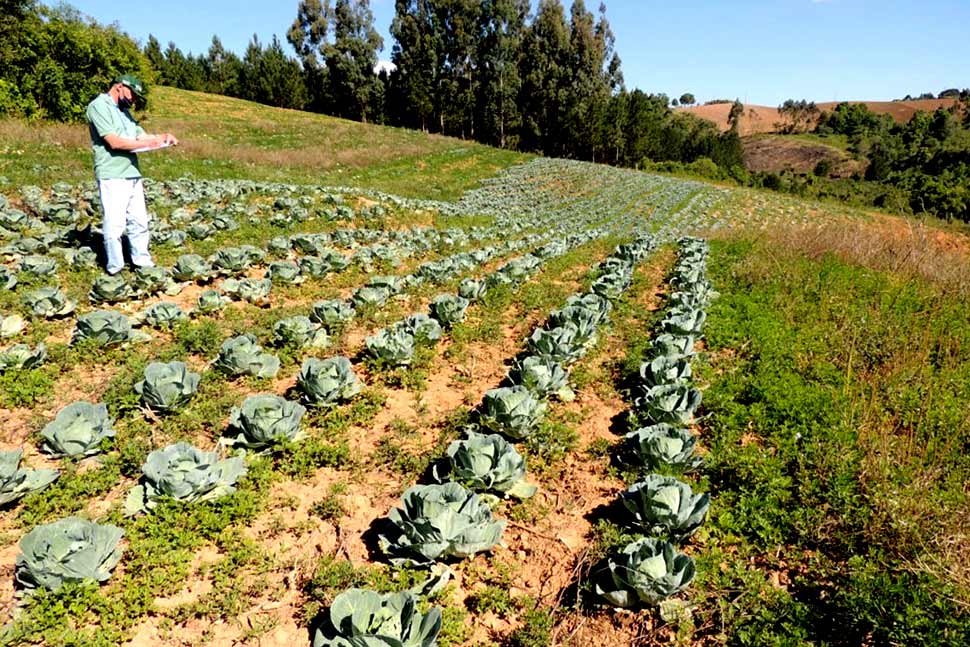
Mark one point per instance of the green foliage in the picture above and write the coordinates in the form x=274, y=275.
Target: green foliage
x=54, y=61
x=536, y=629
x=68, y=550
x=25, y=387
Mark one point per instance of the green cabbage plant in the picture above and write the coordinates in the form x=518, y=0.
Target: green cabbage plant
x=161, y=315
x=436, y=522
x=472, y=289
x=511, y=411
x=361, y=618
x=543, y=376
x=664, y=369
x=191, y=267
x=563, y=344
x=329, y=381
x=391, y=346
x=67, y=550
x=104, y=327
x=449, y=309
x=22, y=357
x=300, y=332
x=672, y=346
x=662, y=445
x=263, y=421
x=285, y=273
x=592, y=302
x=486, y=463
x=167, y=386
x=37, y=265
x=16, y=481
x=146, y=281
x=424, y=329
x=255, y=291
x=12, y=325
x=49, y=303
x=243, y=356
x=333, y=313
x=210, y=301
x=78, y=430
x=109, y=288
x=647, y=571
x=184, y=473
x=684, y=321
x=665, y=506
x=671, y=403
x=230, y=261
x=367, y=298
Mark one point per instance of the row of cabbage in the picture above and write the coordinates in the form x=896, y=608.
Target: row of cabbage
x=452, y=518
x=661, y=506
x=182, y=471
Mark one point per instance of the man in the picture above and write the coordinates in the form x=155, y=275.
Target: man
x=115, y=135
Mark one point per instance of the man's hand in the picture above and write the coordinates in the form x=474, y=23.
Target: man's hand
x=168, y=139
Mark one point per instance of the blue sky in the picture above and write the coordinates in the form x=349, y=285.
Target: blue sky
x=759, y=51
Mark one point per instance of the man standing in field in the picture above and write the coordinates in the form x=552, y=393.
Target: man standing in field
x=115, y=136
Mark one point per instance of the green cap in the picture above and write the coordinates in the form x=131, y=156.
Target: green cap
x=132, y=83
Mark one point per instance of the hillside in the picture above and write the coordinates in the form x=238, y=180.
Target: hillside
x=523, y=402
x=762, y=119
x=222, y=137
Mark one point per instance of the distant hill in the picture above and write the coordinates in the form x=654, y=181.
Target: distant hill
x=761, y=119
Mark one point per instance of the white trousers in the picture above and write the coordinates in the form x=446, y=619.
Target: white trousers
x=123, y=202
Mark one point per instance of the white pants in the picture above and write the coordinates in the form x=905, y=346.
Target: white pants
x=123, y=202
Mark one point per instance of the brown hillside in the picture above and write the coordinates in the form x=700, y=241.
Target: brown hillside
x=761, y=119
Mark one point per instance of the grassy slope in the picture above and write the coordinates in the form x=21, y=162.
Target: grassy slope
x=229, y=138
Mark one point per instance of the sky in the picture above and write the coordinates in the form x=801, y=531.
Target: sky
x=761, y=52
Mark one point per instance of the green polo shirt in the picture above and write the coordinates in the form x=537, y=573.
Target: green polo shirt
x=106, y=118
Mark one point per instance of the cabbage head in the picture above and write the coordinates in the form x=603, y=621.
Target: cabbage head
x=449, y=309
x=67, y=550
x=436, y=522
x=243, y=356
x=361, y=618
x=563, y=344
x=22, y=357
x=254, y=291
x=12, y=325
x=684, y=321
x=674, y=404
x=664, y=369
x=665, y=506
x=543, y=376
x=161, y=315
x=672, y=346
x=486, y=463
x=426, y=331
x=37, y=265
x=647, y=571
x=511, y=411
x=328, y=382
x=16, y=481
x=472, y=289
x=49, y=303
x=333, y=313
x=367, y=298
x=391, y=346
x=210, y=301
x=612, y=286
x=184, y=473
x=263, y=421
x=167, y=386
x=592, y=302
x=300, y=332
x=662, y=445
x=191, y=267
x=230, y=261
x=109, y=288
x=152, y=280
x=284, y=273
x=105, y=327
x=78, y=430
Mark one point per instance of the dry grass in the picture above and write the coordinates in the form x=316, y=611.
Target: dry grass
x=904, y=247
x=22, y=133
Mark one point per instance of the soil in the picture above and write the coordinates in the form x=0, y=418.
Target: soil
x=776, y=154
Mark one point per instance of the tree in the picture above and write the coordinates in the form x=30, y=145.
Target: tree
x=223, y=70
x=351, y=59
x=735, y=115
x=416, y=55
x=270, y=77
x=307, y=35
x=502, y=32
x=545, y=78
x=687, y=99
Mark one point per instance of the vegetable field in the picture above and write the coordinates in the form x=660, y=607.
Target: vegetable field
x=335, y=416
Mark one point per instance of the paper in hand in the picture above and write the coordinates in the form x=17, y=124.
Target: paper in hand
x=145, y=149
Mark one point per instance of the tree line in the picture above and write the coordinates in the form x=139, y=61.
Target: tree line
x=492, y=71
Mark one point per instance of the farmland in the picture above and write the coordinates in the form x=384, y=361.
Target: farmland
x=465, y=381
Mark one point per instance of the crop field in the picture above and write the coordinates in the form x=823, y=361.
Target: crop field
x=552, y=404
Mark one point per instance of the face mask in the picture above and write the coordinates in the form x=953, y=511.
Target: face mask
x=124, y=103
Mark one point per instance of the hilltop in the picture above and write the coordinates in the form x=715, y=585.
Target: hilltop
x=762, y=119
